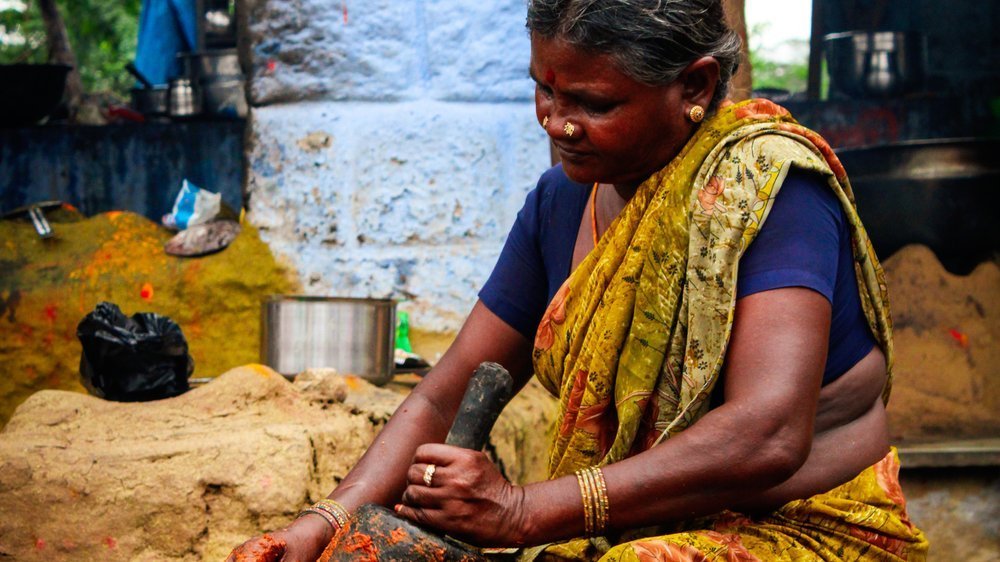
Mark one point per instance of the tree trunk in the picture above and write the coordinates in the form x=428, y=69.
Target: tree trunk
x=61, y=52
x=742, y=85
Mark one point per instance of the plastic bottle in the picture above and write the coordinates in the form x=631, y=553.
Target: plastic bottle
x=403, y=333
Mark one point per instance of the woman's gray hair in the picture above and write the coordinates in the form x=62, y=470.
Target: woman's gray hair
x=651, y=41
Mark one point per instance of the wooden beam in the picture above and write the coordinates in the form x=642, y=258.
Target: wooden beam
x=741, y=86
x=61, y=52
x=815, y=51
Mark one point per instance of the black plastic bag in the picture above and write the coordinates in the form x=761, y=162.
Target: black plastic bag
x=135, y=359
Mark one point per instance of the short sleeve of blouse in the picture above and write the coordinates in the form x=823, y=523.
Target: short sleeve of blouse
x=517, y=287
x=799, y=244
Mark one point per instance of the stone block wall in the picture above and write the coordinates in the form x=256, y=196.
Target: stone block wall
x=391, y=144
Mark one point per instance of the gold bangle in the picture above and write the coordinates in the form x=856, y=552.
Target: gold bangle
x=334, y=508
x=602, y=490
x=333, y=512
x=588, y=525
x=594, y=495
x=595, y=500
x=326, y=517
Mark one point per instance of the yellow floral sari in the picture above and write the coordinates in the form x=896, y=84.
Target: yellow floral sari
x=634, y=341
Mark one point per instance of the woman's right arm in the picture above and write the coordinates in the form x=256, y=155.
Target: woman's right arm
x=427, y=413
x=425, y=416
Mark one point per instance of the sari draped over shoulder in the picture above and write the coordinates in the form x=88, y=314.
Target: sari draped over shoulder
x=633, y=343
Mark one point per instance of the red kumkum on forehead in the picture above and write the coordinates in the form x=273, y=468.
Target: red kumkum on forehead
x=550, y=77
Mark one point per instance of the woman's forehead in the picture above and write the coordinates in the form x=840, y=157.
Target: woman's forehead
x=551, y=57
x=564, y=66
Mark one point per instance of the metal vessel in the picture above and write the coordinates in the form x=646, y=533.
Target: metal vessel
x=224, y=98
x=352, y=335
x=184, y=99
x=940, y=193
x=211, y=64
x=875, y=63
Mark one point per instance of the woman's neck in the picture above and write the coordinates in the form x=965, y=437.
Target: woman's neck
x=626, y=191
x=610, y=200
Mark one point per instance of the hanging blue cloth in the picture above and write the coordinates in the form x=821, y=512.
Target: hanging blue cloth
x=166, y=27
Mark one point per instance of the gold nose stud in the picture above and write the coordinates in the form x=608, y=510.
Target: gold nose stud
x=569, y=129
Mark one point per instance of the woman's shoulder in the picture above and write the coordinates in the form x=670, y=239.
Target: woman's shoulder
x=554, y=186
x=555, y=179
x=805, y=190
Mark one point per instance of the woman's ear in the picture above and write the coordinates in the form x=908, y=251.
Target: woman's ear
x=699, y=81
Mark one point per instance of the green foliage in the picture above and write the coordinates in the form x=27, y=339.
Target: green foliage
x=103, y=34
x=770, y=73
x=22, y=35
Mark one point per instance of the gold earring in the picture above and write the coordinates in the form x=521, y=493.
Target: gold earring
x=545, y=122
x=569, y=129
x=696, y=114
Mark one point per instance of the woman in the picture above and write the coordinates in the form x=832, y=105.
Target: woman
x=705, y=408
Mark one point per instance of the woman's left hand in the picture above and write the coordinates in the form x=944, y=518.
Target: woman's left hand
x=467, y=498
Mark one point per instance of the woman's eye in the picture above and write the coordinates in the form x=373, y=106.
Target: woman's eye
x=597, y=108
x=545, y=90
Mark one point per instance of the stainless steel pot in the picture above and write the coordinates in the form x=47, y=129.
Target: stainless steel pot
x=875, y=63
x=153, y=102
x=184, y=99
x=211, y=65
x=224, y=98
x=353, y=336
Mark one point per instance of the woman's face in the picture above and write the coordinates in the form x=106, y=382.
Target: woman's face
x=624, y=130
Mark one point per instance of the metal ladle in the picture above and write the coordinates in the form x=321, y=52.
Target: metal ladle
x=130, y=67
x=36, y=212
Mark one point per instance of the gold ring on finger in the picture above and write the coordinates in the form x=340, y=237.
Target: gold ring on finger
x=429, y=474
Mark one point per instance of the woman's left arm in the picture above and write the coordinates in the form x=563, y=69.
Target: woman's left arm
x=757, y=439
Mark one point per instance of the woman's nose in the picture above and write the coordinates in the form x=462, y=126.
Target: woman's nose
x=559, y=127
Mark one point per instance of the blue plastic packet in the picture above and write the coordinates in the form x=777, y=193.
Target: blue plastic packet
x=193, y=206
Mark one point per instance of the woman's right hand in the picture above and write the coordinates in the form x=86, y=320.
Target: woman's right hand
x=302, y=541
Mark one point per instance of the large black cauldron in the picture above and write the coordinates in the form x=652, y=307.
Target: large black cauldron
x=30, y=92
x=942, y=193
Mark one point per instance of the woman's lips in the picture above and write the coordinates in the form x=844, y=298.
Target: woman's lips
x=572, y=153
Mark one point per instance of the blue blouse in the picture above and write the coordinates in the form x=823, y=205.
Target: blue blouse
x=805, y=242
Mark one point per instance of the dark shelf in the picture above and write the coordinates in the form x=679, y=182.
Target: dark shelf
x=133, y=167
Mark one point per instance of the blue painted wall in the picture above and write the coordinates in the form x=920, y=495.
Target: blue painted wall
x=391, y=144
